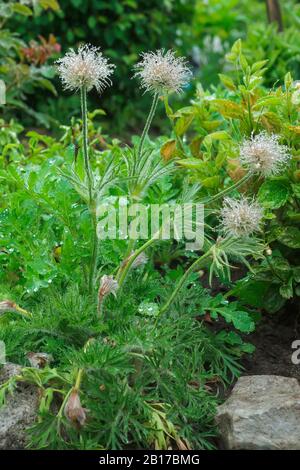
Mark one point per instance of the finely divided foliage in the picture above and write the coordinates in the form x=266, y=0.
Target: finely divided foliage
x=125, y=345
x=263, y=154
x=162, y=72
x=86, y=68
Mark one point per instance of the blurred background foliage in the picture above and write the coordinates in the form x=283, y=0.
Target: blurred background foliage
x=202, y=30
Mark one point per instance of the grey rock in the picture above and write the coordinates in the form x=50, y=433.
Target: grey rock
x=262, y=412
x=19, y=412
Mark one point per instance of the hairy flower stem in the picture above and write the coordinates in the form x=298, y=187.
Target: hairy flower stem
x=200, y=262
x=228, y=190
x=78, y=380
x=90, y=184
x=148, y=123
x=87, y=166
x=75, y=388
x=123, y=273
x=129, y=250
x=23, y=312
x=197, y=264
x=95, y=246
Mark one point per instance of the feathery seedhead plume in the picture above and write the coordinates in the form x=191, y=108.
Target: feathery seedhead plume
x=85, y=68
x=241, y=217
x=108, y=285
x=263, y=154
x=162, y=72
x=74, y=412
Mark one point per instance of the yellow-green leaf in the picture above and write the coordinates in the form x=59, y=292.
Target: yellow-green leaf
x=168, y=150
x=228, y=108
x=21, y=9
x=218, y=135
x=211, y=182
x=183, y=124
x=227, y=81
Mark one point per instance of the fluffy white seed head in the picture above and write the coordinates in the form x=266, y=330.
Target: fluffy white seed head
x=241, y=217
x=162, y=72
x=85, y=68
x=263, y=154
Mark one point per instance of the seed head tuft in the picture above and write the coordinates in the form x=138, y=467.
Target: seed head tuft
x=241, y=217
x=162, y=72
x=263, y=154
x=85, y=68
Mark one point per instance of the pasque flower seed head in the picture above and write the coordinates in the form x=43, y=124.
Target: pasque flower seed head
x=241, y=217
x=85, y=68
x=263, y=154
x=162, y=72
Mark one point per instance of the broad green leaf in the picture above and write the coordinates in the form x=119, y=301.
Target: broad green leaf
x=21, y=9
x=251, y=292
x=286, y=290
x=273, y=301
x=183, y=124
x=218, y=135
x=267, y=101
x=241, y=320
x=44, y=83
x=228, y=109
x=192, y=163
x=289, y=236
x=52, y=4
x=211, y=182
x=237, y=47
x=274, y=193
x=259, y=65
x=227, y=81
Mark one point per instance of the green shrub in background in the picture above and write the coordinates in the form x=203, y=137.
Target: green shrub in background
x=213, y=128
x=24, y=66
x=203, y=31
x=123, y=29
x=219, y=23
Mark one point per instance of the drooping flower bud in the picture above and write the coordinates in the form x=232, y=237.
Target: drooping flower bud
x=10, y=306
x=74, y=412
x=108, y=285
x=7, y=306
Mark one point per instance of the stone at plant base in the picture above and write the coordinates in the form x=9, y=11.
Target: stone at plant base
x=262, y=412
x=19, y=413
